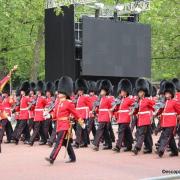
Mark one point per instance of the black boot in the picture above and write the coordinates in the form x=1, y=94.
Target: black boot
x=135, y=150
x=95, y=148
x=172, y=154
x=51, y=161
x=107, y=147
x=147, y=151
x=116, y=149
x=71, y=161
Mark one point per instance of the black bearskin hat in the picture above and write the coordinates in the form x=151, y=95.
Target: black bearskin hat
x=25, y=86
x=169, y=87
x=65, y=86
x=176, y=83
x=32, y=86
x=81, y=84
x=6, y=89
x=150, y=89
x=161, y=86
x=105, y=85
x=142, y=85
x=50, y=87
x=40, y=86
x=56, y=83
x=154, y=91
x=125, y=85
x=92, y=86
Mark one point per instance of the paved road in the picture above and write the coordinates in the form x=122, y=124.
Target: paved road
x=22, y=162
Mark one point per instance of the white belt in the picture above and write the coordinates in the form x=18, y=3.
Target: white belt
x=168, y=114
x=23, y=109
x=80, y=108
x=145, y=112
x=123, y=111
x=7, y=108
x=39, y=109
x=104, y=110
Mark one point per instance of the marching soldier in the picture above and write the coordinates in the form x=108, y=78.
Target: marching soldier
x=40, y=104
x=177, y=97
x=23, y=114
x=53, y=134
x=32, y=98
x=122, y=106
x=7, y=102
x=104, y=116
x=83, y=105
x=50, y=100
x=62, y=113
x=168, y=121
x=144, y=115
x=93, y=98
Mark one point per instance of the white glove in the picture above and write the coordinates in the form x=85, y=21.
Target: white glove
x=46, y=115
x=83, y=126
x=9, y=118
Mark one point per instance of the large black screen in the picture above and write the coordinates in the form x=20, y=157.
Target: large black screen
x=118, y=49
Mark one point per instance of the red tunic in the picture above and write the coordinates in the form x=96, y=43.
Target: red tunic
x=177, y=97
x=24, y=111
x=123, y=110
x=6, y=104
x=169, y=113
x=83, y=106
x=104, y=113
x=62, y=113
x=31, y=111
x=145, y=111
x=39, y=108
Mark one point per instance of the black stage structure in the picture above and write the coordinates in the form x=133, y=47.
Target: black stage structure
x=95, y=48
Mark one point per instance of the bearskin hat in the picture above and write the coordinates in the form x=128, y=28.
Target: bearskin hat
x=32, y=86
x=81, y=84
x=125, y=85
x=150, y=89
x=6, y=88
x=169, y=87
x=50, y=87
x=105, y=85
x=65, y=86
x=161, y=86
x=154, y=91
x=40, y=86
x=92, y=86
x=25, y=86
x=142, y=85
x=56, y=83
x=176, y=83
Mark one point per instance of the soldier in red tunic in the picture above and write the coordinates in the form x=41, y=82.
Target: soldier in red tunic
x=122, y=107
x=144, y=115
x=168, y=121
x=83, y=105
x=104, y=116
x=7, y=102
x=177, y=97
x=32, y=98
x=23, y=113
x=62, y=113
x=50, y=100
x=93, y=98
x=39, y=106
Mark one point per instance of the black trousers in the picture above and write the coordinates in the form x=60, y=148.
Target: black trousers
x=102, y=131
x=144, y=136
x=91, y=126
x=124, y=135
x=111, y=132
x=5, y=126
x=167, y=138
x=22, y=128
x=178, y=133
x=61, y=141
x=44, y=130
x=38, y=129
x=82, y=136
x=31, y=124
x=133, y=123
x=53, y=134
